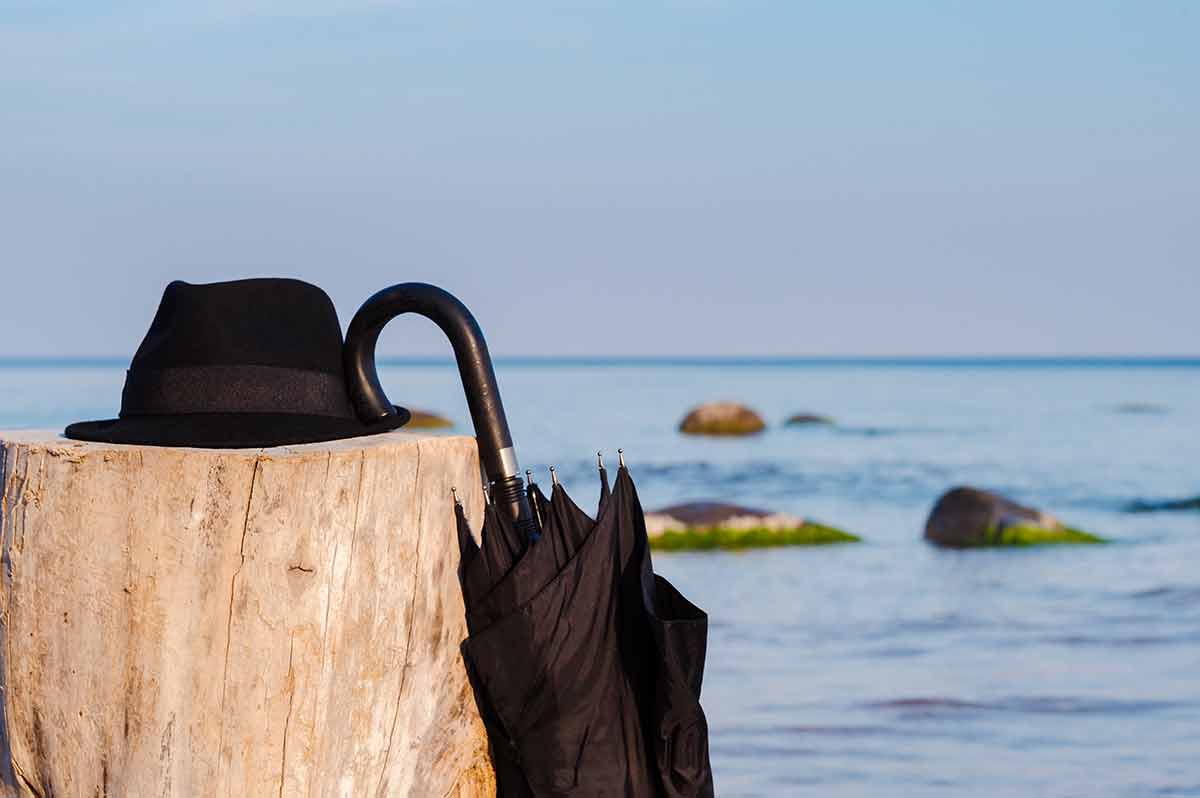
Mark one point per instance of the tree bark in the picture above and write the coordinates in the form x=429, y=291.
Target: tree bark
x=255, y=622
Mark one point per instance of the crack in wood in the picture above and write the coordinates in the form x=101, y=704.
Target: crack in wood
x=287, y=721
x=232, y=597
x=7, y=777
x=387, y=754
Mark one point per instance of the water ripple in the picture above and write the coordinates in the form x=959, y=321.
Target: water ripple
x=928, y=706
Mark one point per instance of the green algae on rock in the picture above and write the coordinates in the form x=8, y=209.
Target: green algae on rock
x=706, y=525
x=966, y=517
x=1033, y=535
x=707, y=538
x=722, y=419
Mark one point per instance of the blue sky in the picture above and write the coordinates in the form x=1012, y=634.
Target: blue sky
x=631, y=178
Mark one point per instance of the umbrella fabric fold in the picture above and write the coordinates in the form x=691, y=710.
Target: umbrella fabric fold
x=565, y=527
x=473, y=572
x=482, y=566
x=681, y=730
x=587, y=666
x=657, y=618
x=538, y=503
x=605, y=490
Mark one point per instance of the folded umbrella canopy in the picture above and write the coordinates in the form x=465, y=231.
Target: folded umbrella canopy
x=586, y=665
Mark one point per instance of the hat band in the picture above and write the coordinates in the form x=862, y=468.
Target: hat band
x=233, y=389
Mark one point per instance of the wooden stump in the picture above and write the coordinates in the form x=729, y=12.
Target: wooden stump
x=255, y=622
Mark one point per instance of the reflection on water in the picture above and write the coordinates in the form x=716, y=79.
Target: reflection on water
x=890, y=668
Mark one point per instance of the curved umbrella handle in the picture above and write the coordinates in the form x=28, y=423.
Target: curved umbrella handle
x=474, y=366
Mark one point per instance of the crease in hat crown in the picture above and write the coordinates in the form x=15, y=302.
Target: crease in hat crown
x=242, y=363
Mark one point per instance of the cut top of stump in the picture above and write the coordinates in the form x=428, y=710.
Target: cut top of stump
x=54, y=443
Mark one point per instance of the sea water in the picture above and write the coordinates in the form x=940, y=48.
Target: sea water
x=889, y=667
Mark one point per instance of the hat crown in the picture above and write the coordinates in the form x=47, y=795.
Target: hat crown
x=249, y=346
x=276, y=322
x=244, y=363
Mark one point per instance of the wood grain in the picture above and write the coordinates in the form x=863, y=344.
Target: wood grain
x=271, y=622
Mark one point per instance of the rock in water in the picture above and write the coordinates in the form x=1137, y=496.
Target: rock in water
x=966, y=517
x=424, y=419
x=1140, y=408
x=717, y=525
x=722, y=418
x=1144, y=506
x=803, y=419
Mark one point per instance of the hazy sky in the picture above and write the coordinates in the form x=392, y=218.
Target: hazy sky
x=635, y=178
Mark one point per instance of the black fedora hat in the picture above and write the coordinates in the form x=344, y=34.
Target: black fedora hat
x=246, y=363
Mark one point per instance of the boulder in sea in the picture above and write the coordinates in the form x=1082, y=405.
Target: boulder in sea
x=1140, y=408
x=967, y=517
x=806, y=419
x=425, y=419
x=1144, y=506
x=717, y=525
x=721, y=418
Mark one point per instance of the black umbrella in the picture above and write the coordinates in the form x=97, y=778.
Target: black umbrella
x=586, y=665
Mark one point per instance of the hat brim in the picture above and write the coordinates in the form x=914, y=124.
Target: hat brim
x=230, y=430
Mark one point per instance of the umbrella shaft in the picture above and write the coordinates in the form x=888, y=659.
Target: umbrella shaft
x=509, y=495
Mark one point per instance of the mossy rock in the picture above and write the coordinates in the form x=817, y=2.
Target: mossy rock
x=424, y=419
x=722, y=419
x=706, y=525
x=966, y=517
x=709, y=538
